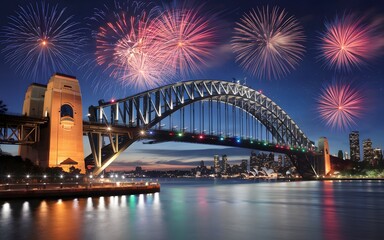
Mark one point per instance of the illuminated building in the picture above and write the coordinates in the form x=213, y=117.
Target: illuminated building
x=280, y=160
x=244, y=165
x=367, y=151
x=216, y=165
x=354, y=145
x=377, y=156
x=224, y=163
x=346, y=156
x=253, y=160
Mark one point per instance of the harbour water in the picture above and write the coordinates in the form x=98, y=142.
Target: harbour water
x=208, y=209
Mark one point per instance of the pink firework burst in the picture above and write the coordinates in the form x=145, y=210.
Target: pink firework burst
x=267, y=43
x=124, y=44
x=185, y=38
x=340, y=105
x=347, y=42
x=143, y=71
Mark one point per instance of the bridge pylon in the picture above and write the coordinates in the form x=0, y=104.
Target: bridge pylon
x=61, y=140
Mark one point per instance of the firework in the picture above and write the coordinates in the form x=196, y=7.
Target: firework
x=267, y=43
x=124, y=46
x=347, y=42
x=143, y=72
x=185, y=38
x=40, y=40
x=340, y=105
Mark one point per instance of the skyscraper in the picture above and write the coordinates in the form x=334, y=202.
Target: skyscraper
x=340, y=154
x=367, y=151
x=216, y=165
x=224, y=163
x=377, y=156
x=354, y=146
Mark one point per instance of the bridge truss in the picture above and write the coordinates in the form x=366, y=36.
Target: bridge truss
x=16, y=129
x=211, y=107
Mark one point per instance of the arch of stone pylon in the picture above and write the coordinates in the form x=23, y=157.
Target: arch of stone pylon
x=122, y=120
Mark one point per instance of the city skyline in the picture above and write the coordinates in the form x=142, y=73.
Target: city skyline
x=296, y=92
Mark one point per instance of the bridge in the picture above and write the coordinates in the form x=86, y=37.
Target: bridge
x=202, y=111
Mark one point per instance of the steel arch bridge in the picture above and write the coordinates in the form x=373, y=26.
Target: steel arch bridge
x=216, y=108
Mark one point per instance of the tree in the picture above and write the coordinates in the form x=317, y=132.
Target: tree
x=3, y=107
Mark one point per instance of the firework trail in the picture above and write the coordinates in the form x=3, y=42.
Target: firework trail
x=40, y=40
x=347, y=43
x=185, y=38
x=340, y=105
x=267, y=43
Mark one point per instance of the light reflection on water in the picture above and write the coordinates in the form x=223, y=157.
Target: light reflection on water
x=207, y=209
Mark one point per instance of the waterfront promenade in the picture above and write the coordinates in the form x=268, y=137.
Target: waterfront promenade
x=71, y=190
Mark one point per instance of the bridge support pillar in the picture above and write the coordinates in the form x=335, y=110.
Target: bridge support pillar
x=61, y=142
x=325, y=159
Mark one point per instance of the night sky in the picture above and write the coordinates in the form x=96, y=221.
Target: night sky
x=296, y=92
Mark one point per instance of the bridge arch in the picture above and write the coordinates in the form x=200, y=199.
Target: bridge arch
x=127, y=117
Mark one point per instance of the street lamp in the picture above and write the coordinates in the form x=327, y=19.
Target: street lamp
x=9, y=179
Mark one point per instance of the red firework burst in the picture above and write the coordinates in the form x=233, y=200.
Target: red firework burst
x=347, y=42
x=340, y=105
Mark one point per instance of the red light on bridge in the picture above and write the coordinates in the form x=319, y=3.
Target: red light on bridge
x=171, y=134
x=201, y=136
x=113, y=100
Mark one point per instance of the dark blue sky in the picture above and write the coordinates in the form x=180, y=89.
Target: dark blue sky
x=296, y=93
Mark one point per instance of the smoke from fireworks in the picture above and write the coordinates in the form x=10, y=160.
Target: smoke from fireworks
x=267, y=43
x=347, y=42
x=185, y=38
x=40, y=40
x=340, y=105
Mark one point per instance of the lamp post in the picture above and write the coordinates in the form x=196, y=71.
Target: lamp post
x=44, y=180
x=27, y=183
x=8, y=180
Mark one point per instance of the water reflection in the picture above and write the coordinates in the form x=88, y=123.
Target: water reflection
x=330, y=219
